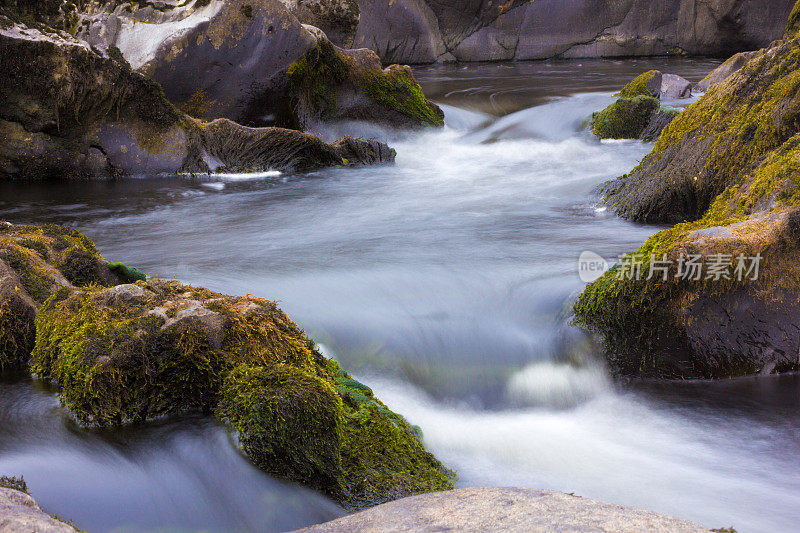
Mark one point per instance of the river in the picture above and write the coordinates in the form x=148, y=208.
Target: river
x=444, y=283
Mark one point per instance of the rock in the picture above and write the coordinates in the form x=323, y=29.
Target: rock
x=647, y=84
x=330, y=84
x=337, y=18
x=364, y=151
x=135, y=352
x=725, y=70
x=659, y=120
x=254, y=62
x=725, y=170
x=20, y=513
x=627, y=118
x=17, y=312
x=673, y=86
x=504, y=509
x=66, y=111
x=419, y=31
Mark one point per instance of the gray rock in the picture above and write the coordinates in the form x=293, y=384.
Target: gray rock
x=337, y=18
x=504, y=509
x=418, y=31
x=19, y=513
x=673, y=86
x=725, y=70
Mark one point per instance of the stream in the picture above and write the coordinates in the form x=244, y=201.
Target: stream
x=444, y=283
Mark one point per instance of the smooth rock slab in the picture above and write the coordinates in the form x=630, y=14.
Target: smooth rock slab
x=20, y=514
x=504, y=509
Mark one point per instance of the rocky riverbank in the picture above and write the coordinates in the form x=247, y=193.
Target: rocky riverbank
x=725, y=299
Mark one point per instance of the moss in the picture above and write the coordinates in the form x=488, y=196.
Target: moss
x=289, y=423
x=626, y=118
x=397, y=89
x=793, y=28
x=14, y=483
x=17, y=336
x=198, y=105
x=315, y=76
x=638, y=87
x=127, y=274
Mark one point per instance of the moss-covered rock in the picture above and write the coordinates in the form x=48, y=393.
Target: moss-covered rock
x=133, y=352
x=793, y=29
x=329, y=84
x=36, y=262
x=646, y=84
x=727, y=169
x=627, y=118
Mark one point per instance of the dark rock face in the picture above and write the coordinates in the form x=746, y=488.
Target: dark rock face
x=337, y=18
x=480, y=31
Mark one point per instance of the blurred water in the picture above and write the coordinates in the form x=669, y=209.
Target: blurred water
x=443, y=281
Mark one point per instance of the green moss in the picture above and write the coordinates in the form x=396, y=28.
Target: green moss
x=17, y=336
x=127, y=274
x=638, y=87
x=397, y=89
x=626, y=118
x=289, y=423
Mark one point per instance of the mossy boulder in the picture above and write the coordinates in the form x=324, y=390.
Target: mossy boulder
x=727, y=170
x=646, y=84
x=332, y=84
x=36, y=262
x=134, y=352
x=626, y=118
x=793, y=28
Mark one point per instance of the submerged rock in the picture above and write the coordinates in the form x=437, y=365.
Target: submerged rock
x=66, y=111
x=134, y=352
x=728, y=170
x=504, y=509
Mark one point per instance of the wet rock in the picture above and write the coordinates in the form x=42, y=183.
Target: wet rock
x=725, y=70
x=627, y=118
x=364, y=151
x=673, y=86
x=504, y=509
x=647, y=84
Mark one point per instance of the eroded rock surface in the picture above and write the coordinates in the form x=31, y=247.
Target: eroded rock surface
x=19, y=513
x=505, y=509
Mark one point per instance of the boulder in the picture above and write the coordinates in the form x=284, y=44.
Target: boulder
x=725, y=70
x=726, y=171
x=673, y=86
x=330, y=84
x=626, y=118
x=647, y=84
x=20, y=513
x=135, y=352
x=504, y=509
x=67, y=111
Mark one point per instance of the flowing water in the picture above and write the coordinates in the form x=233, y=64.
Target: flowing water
x=444, y=283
